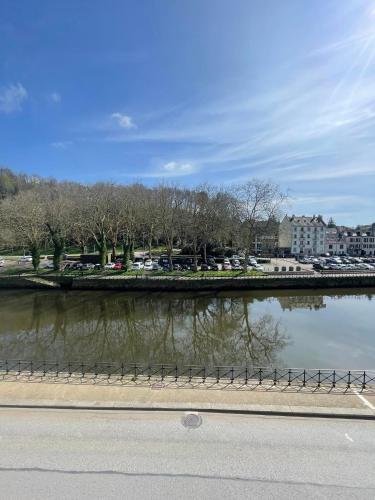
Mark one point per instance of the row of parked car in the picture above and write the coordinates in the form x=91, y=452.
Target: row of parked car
x=162, y=264
x=344, y=264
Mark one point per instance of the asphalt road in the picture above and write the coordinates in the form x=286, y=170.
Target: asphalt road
x=101, y=454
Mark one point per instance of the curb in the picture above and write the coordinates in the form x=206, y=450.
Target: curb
x=309, y=412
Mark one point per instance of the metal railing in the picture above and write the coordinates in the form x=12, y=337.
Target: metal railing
x=348, y=380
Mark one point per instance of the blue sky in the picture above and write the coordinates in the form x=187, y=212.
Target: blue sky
x=194, y=91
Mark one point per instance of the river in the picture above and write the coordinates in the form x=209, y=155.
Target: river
x=309, y=329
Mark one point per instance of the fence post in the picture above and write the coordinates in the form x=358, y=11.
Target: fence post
x=190, y=375
x=44, y=368
x=135, y=371
x=289, y=379
x=19, y=367
x=69, y=369
x=231, y=375
x=349, y=381
x=334, y=379
x=217, y=374
x=6, y=367
x=246, y=376
x=275, y=377
x=176, y=373
x=57, y=368
x=31, y=368
x=149, y=372
x=260, y=376
x=162, y=372
x=304, y=378
x=318, y=378
x=122, y=370
x=204, y=374
x=364, y=381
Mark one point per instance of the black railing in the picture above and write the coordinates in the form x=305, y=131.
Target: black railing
x=357, y=380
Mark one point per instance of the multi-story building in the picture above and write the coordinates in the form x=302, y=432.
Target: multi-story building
x=302, y=235
x=361, y=242
x=335, y=242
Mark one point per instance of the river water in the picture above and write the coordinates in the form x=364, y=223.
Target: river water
x=309, y=329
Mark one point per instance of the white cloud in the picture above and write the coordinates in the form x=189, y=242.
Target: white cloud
x=61, y=144
x=176, y=168
x=55, y=97
x=12, y=97
x=124, y=121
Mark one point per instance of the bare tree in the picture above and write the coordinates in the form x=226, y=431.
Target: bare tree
x=257, y=201
x=23, y=216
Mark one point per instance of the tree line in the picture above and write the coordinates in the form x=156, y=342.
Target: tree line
x=36, y=211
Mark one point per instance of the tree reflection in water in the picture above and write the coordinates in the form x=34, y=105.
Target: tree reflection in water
x=155, y=328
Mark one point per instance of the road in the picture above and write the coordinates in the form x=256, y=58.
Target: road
x=139, y=455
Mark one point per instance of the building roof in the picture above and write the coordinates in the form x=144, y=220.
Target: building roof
x=315, y=220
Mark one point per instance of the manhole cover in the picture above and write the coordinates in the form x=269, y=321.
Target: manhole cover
x=191, y=420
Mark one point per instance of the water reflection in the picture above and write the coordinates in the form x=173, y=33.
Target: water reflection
x=295, y=328
x=102, y=326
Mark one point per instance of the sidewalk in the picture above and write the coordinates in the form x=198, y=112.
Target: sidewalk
x=158, y=396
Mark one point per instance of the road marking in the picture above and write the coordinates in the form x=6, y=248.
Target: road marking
x=348, y=437
x=364, y=401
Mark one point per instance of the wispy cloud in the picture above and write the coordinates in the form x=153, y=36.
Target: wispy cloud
x=122, y=120
x=55, y=97
x=12, y=97
x=170, y=169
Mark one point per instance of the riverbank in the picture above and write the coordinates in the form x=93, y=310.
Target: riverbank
x=183, y=283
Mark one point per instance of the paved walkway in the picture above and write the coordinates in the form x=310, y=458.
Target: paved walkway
x=159, y=396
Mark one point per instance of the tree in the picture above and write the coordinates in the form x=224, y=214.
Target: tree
x=57, y=215
x=169, y=202
x=331, y=223
x=257, y=202
x=23, y=216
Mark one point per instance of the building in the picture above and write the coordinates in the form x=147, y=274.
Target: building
x=335, y=241
x=361, y=241
x=302, y=235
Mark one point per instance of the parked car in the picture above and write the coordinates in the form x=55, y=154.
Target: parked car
x=257, y=267
x=148, y=265
x=109, y=265
x=24, y=259
x=236, y=266
x=177, y=267
x=117, y=266
x=2, y=262
x=227, y=266
x=87, y=266
x=205, y=267
x=137, y=266
x=155, y=266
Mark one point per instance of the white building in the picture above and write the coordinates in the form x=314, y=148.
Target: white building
x=335, y=242
x=361, y=242
x=302, y=235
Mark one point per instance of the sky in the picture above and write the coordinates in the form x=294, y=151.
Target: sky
x=195, y=91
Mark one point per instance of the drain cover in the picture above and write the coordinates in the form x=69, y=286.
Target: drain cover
x=191, y=420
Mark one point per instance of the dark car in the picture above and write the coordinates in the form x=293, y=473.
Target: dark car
x=205, y=267
x=177, y=267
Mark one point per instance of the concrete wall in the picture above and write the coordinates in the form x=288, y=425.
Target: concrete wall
x=198, y=284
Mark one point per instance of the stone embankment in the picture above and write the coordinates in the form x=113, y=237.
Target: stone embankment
x=181, y=283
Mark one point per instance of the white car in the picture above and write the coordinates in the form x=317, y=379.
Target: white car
x=25, y=258
x=148, y=265
x=257, y=267
x=109, y=265
x=2, y=262
x=137, y=266
x=227, y=266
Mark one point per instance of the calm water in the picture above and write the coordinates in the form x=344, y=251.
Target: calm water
x=294, y=328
